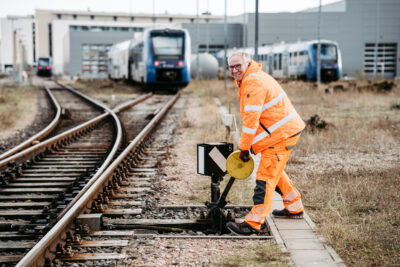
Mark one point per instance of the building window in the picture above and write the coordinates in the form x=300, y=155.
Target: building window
x=94, y=59
x=91, y=17
x=132, y=18
x=171, y=19
x=192, y=20
x=74, y=16
x=115, y=18
x=59, y=16
x=380, y=59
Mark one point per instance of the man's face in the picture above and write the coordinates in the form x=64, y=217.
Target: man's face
x=237, y=67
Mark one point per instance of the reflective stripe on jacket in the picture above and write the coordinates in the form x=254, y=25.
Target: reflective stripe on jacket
x=262, y=100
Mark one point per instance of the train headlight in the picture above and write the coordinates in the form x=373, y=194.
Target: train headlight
x=156, y=63
x=180, y=63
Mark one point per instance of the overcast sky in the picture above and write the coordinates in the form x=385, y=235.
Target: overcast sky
x=216, y=7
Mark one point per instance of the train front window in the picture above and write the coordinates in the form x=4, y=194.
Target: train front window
x=167, y=47
x=43, y=62
x=328, y=51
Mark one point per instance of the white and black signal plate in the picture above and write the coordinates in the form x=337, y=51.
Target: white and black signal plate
x=211, y=158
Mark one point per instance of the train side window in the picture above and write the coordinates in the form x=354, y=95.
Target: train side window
x=275, y=61
x=295, y=58
x=280, y=61
x=301, y=58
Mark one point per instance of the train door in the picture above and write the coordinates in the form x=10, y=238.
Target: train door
x=270, y=63
x=285, y=63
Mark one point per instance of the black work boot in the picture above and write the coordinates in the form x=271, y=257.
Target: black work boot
x=286, y=214
x=241, y=228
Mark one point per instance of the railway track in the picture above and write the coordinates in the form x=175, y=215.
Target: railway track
x=40, y=183
x=71, y=109
x=100, y=216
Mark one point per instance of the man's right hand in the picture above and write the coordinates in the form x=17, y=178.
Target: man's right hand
x=244, y=155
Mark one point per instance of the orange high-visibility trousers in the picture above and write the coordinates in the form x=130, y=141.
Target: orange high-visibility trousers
x=270, y=174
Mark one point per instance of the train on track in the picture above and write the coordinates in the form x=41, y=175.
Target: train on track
x=44, y=66
x=160, y=58
x=298, y=60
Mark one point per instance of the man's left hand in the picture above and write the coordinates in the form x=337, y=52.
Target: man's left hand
x=244, y=155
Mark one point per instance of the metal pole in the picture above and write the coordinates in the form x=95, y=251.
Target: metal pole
x=225, y=44
x=198, y=40
x=376, y=40
x=15, y=50
x=208, y=26
x=244, y=23
x=319, y=45
x=256, y=34
x=154, y=13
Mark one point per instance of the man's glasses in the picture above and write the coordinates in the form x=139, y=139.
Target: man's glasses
x=235, y=67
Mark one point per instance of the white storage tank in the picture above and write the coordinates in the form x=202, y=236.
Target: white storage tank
x=208, y=66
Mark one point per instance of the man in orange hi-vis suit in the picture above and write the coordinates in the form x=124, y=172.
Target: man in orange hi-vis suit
x=270, y=125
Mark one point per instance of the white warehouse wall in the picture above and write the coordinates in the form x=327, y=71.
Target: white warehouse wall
x=23, y=26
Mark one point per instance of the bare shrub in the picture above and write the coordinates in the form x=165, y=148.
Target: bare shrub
x=315, y=123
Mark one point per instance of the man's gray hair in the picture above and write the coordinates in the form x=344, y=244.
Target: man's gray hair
x=246, y=56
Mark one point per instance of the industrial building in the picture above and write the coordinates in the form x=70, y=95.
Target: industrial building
x=368, y=33
x=17, y=41
x=357, y=25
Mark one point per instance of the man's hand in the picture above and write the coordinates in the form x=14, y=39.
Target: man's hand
x=244, y=155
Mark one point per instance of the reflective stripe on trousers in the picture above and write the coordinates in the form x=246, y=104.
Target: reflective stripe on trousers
x=270, y=174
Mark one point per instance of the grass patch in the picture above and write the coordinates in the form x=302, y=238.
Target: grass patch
x=15, y=104
x=259, y=255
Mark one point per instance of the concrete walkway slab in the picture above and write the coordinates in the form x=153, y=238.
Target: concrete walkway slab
x=312, y=258
x=298, y=237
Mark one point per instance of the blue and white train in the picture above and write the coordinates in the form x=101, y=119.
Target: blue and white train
x=299, y=60
x=160, y=58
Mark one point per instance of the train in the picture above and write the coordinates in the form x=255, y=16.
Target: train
x=159, y=58
x=44, y=66
x=298, y=60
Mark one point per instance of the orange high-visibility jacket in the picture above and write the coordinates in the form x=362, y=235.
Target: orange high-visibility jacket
x=262, y=100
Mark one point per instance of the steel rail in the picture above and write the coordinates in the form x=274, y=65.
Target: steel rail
x=41, y=147
x=55, y=140
x=42, y=134
x=35, y=256
x=94, y=177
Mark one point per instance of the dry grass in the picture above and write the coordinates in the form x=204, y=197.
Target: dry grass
x=349, y=175
x=16, y=102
